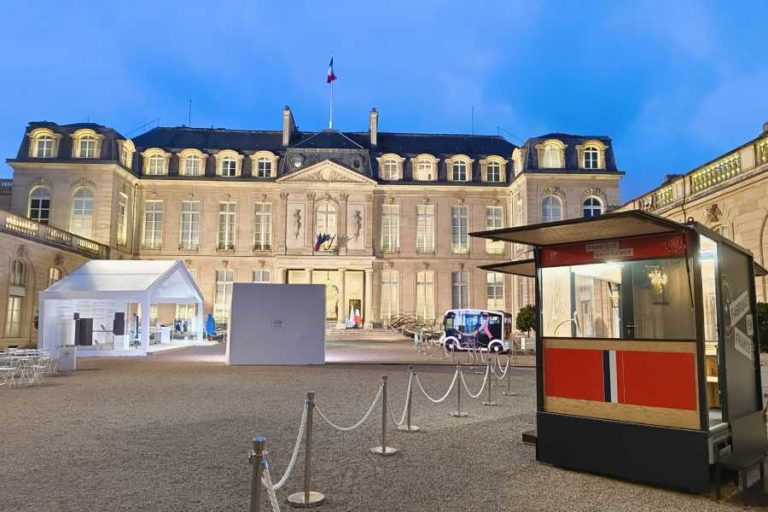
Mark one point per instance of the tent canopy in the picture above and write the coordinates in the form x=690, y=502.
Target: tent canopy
x=158, y=280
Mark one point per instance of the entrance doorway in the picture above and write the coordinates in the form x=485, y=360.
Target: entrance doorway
x=343, y=301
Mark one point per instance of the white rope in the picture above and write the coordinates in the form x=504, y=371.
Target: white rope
x=294, y=455
x=453, y=382
x=362, y=420
x=502, y=373
x=266, y=480
x=405, y=407
x=485, y=381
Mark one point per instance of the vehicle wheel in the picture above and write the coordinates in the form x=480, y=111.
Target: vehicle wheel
x=496, y=348
x=450, y=345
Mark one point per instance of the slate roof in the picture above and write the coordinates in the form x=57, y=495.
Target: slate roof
x=109, y=149
x=571, y=154
x=210, y=138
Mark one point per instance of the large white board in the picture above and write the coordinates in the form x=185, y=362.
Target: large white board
x=277, y=324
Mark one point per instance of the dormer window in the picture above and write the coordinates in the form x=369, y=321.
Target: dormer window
x=425, y=168
x=87, y=147
x=263, y=167
x=390, y=167
x=127, y=149
x=191, y=162
x=229, y=163
x=192, y=165
x=592, y=155
x=44, y=147
x=228, y=167
x=389, y=171
x=551, y=154
x=493, y=169
x=493, y=172
x=155, y=162
x=459, y=171
x=263, y=164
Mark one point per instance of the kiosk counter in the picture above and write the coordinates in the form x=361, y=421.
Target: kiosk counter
x=647, y=347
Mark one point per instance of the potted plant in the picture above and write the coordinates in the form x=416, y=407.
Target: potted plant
x=526, y=322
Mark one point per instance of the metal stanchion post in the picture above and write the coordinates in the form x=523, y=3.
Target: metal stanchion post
x=255, y=458
x=489, y=376
x=384, y=449
x=458, y=413
x=307, y=498
x=408, y=427
x=509, y=391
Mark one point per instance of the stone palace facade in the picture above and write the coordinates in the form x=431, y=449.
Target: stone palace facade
x=381, y=219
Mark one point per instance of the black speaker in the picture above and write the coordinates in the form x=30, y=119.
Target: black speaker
x=118, y=324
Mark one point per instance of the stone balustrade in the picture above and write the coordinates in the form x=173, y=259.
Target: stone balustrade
x=722, y=170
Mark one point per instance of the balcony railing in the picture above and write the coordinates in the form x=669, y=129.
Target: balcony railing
x=715, y=173
x=762, y=152
x=49, y=235
x=658, y=199
x=5, y=187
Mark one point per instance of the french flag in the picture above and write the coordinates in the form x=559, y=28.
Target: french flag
x=331, y=75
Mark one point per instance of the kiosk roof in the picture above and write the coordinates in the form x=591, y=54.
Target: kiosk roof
x=525, y=268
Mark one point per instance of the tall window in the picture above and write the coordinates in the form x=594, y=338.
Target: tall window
x=591, y=157
x=493, y=172
x=152, y=237
x=54, y=274
x=425, y=295
x=226, y=236
x=262, y=227
x=460, y=289
x=425, y=170
x=551, y=157
x=495, y=290
x=40, y=205
x=459, y=171
x=390, y=170
x=18, y=282
x=125, y=156
x=44, y=146
x=223, y=298
x=228, y=167
x=193, y=166
x=494, y=219
x=87, y=147
x=261, y=276
x=189, y=238
x=18, y=273
x=81, y=222
x=326, y=224
x=425, y=228
x=156, y=165
x=551, y=209
x=459, y=229
x=122, y=219
x=390, y=228
x=13, y=316
x=263, y=167
x=593, y=207
x=390, y=294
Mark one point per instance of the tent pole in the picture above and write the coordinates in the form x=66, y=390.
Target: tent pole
x=145, y=325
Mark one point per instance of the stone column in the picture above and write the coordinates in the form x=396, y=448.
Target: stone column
x=368, y=305
x=280, y=277
x=342, y=221
x=310, y=229
x=342, y=299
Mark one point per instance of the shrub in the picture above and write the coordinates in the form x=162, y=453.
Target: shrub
x=526, y=319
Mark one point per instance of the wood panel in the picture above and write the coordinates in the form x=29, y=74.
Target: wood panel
x=641, y=346
x=678, y=418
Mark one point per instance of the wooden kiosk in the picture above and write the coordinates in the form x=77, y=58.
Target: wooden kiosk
x=647, y=356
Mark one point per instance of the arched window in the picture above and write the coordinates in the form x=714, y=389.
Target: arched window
x=325, y=226
x=593, y=207
x=192, y=166
x=156, y=165
x=44, y=146
x=591, y=157
x=425, y=170
x=18, y=273
x=87, y=146
x=263, y=167
x=493, y=172
x=390, y=170
x=228, y=167
x=459, y=171
x=39, y=208
x=551, y=209
x=551, y=158
x=81, y=222
x=16, y=295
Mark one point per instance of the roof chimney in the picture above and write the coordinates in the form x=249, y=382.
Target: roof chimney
x=373, y=126
x=288, y=125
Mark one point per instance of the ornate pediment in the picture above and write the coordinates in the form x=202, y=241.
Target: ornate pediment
x=326, y=172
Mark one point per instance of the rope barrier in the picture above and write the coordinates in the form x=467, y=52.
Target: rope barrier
x=356, y=425
x=485, y=381
x=502, y=373
x=266, y=479
x=294, y=455
x=405, y=407
x=453, y=382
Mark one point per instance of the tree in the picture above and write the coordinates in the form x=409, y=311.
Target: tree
x=526, y=319
x=762, y=325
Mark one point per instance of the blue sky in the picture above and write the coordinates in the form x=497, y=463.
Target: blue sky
x=674, y=83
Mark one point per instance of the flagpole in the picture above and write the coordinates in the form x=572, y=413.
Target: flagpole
x=330, y=120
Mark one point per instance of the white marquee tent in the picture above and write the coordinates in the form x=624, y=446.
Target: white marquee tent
x=101, y=288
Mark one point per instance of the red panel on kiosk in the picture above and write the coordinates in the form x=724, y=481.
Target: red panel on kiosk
x=574, y=373
x=657, y=379
x=627, y=249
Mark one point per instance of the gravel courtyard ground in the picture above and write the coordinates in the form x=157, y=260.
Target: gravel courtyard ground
x=171, y=433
